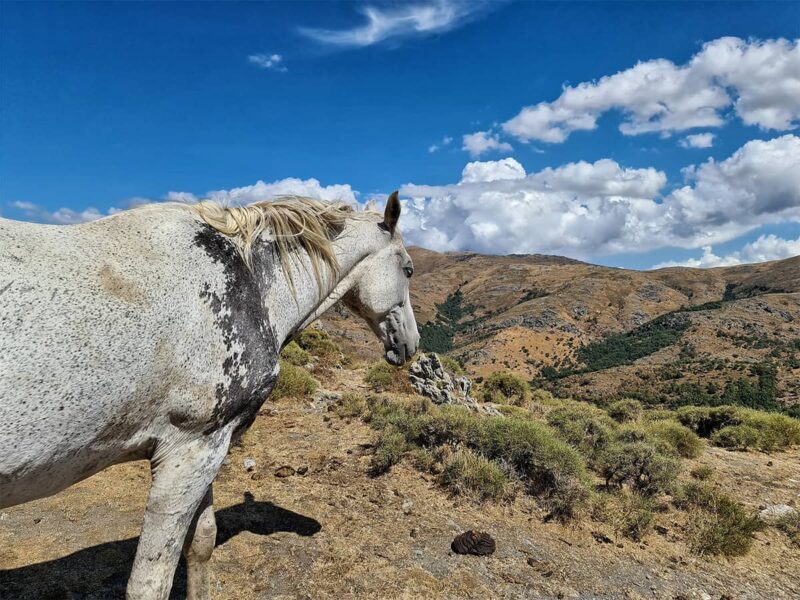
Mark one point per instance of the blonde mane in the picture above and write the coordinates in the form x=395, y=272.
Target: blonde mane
x=294, y=222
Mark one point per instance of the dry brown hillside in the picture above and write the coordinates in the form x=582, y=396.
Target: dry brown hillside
x=679, y=332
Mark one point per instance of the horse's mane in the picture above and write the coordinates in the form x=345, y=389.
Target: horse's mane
x=294, y=222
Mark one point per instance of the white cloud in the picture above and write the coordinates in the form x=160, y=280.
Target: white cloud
x=588, y=209
x=421, y=18
x=484, y=141
x=760, y=79
x=268, y=61
x=290, y=186
x=581, y=209
x=260, y=190
x=446, y=141
x=698, y=140
x=62, y=216
x=765, y=248
x=492, y=170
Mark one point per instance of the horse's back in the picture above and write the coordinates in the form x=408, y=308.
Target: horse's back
x=91, y=319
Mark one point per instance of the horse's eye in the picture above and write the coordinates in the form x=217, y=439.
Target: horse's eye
x=408, y=270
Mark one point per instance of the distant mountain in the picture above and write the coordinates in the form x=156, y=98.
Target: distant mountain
x=663, y=336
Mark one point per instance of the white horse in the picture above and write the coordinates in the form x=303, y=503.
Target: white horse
x=155, y=333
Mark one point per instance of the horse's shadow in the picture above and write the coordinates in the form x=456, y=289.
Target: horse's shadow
x=101, y=572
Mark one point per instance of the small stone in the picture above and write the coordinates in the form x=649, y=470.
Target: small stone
x=601, y=538
x=249, y=464
x=285, y=471
x=775, y=512
x=769, y=463
x=3, y=516
x=478, y=543
x=544, y=568
x=413, y=533
x=302, y=470
x=407, y=506
x=662, y=530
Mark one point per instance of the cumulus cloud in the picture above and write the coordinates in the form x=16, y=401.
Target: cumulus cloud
x=588, y=209
x=268, y=61
x=421, y=18
x=290, y=186
x=260, y=190
x=580, y=209
x=492, y=170
x=698, y=140
x=481, y=142
x=766, y=247
x=760, y=80
x=62, y=216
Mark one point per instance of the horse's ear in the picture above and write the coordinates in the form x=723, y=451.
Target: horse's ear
x=392, y=213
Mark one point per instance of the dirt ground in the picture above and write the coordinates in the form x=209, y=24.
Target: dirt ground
x=331, y=531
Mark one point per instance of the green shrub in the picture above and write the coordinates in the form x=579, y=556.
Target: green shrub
x=583, y=426
x=469, y=474
x=547, y=467
x=447, y=425
x=295, y=355
x=736, y=437
x=389, y=450
x=744, y=427
x=423, y=459
x=452, y=365
x=704, y=420
x=659, y=415
x=383, y=377
x=702, y=473
x=543, y=397
x=505, y=388
x=682, y=440
x=293, y=381
x=790, y=525
x=625, y=410
x=718, y=524
x=640, y=465
x=776, y=431
x=351, y=405
x=629, y=513
x=318, y=342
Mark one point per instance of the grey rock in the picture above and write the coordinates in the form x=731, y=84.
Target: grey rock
x=249, y=464
x=430, y=379
x=775, y=512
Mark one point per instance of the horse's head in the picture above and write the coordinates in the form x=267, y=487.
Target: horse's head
x=380, y=294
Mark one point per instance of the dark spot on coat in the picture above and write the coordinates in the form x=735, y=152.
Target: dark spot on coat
x=244, y=322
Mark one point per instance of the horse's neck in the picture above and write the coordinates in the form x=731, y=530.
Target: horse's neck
x=292, y=310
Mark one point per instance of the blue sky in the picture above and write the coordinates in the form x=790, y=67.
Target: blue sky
x=103, y=104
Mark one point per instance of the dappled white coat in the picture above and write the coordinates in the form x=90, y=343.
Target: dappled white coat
x=144, y=335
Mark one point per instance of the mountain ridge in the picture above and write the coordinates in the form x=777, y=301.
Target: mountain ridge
x=535, y=315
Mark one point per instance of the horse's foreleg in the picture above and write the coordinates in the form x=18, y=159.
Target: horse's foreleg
x=181, y=480
x=197, y=549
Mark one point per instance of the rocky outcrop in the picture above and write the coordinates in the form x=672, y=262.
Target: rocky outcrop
x=430, y=379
